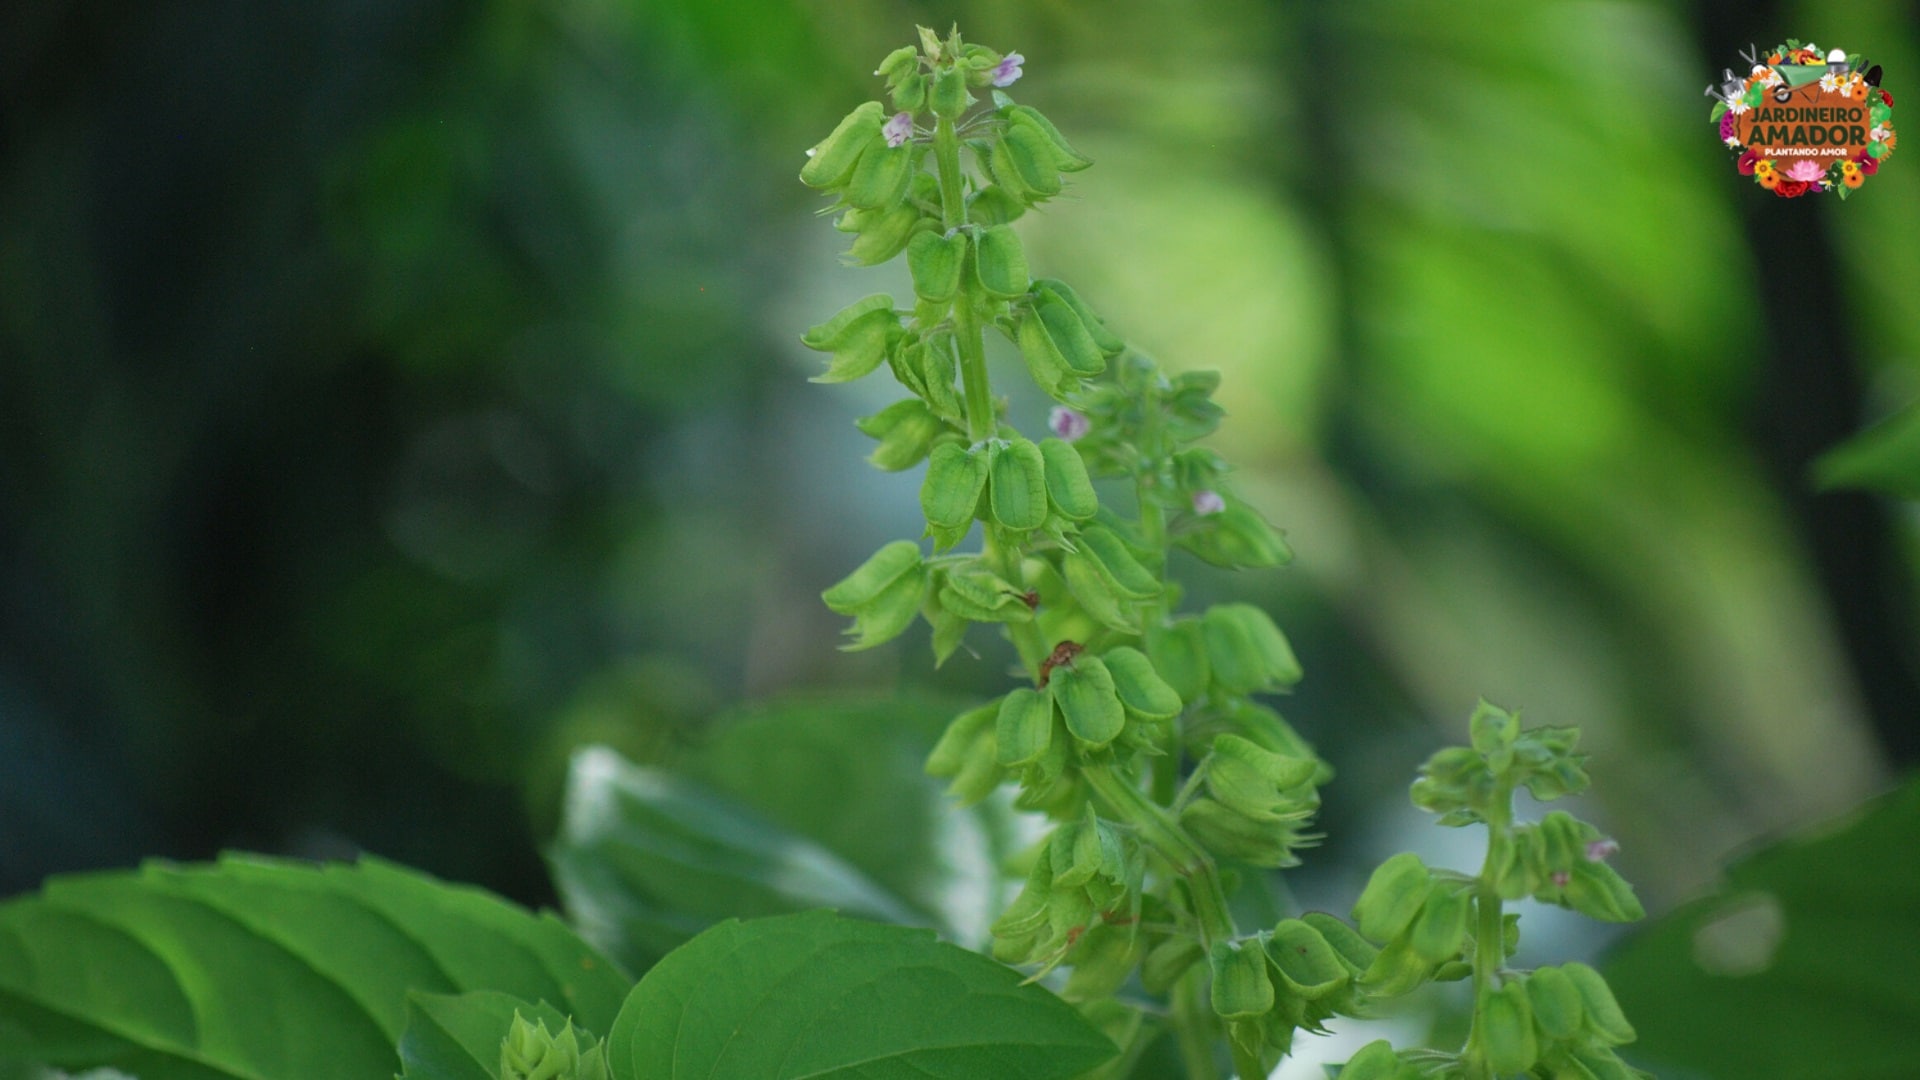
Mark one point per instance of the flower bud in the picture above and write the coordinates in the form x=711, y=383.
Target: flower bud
x=831, y=162
x=1394, y=895
x=1017, y=485
x=1253, y=781
x=1308, y=966
x=1027, y=153
x=992, y=205
x=1557, y=1010
x=1601, y=1064
x=881, y=178
x=1494, y=731
x=1598, y=891
x=1241, y=989
x=1071, y=337
x=1110, y=343
x=949, y=98
x=950, y=494
x=1000, y=262
x=1396, y=970
x=1180, y=656
x=1374, y=1061
x=898, y=62
x=1441, y=929
x=930, y=43
x=1065, y=157
x=531, y=1052
x=910, y=93
x=934, y=261
x=1116, y=563
x=980, y=595
x=1603, y=1016
x=1235, y=535
x=1246, y=651
x=1353, y=951
x=1044, y=362
x=1068, y=487
x=1139, y=687
x=857, y=336
x=1024, y=727
x=871, y=578
x=882, y=595
x=1505, y=1024
x=884, y=235
x=906, y=430
x=1084, y=692
x=1094, y=597
x=1229, y=834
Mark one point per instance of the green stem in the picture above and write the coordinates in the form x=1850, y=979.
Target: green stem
x=946, y=161
x=1162, y=834
x=1489, y=931
x=1192, y=1025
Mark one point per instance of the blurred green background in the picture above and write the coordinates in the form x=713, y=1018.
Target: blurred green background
x=395, y=396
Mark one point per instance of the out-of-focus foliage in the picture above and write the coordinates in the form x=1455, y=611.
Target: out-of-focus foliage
x=789, y=806
x=395, y=397
x=1791, y=968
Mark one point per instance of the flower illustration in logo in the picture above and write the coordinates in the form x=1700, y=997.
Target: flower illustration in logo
x=1805, y=120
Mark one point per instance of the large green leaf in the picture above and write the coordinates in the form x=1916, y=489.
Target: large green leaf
x=646, y=859
x=1799, y=968
x=840, y=773
x=826, y=998
x=255, y=968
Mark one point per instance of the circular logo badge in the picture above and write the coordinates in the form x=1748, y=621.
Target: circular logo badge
x=1805, y=122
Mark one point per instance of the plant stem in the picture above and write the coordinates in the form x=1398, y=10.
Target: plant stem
x=946, y=161
x=1192, y=1019
x=1162, y=833
x=981, y=421
x=1489, y=931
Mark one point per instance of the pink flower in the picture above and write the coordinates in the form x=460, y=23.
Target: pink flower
x=898, y=129
x=1726, y=125
x=1805, y=170
x=1868, y=164
x=1747, y=161
x=1068, y=424
x=1207, y=503
x=1008, y=69
x=1598, y=850
x=1561, y=879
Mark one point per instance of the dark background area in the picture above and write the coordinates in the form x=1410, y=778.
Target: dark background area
x=396, y=396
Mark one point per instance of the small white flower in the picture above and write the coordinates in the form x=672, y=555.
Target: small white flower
x=1879, y=132
x=1007, y=71
x=1772, y=78
x=898, y=129
x=1737, y=106
x=1733, y=140
x=1829, y=84
x=1068, y=424
x=1208, y=503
